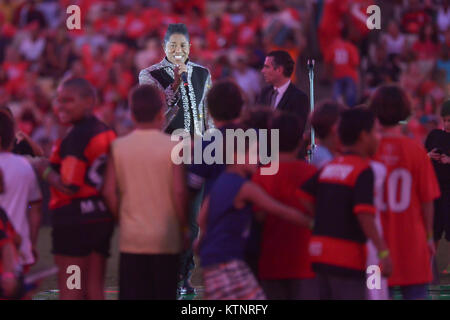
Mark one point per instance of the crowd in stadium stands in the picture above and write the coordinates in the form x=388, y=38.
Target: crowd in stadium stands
x=117, y=39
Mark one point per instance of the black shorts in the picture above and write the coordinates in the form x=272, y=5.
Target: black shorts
x=80, y=240
x=442, y=216
x=148, y=276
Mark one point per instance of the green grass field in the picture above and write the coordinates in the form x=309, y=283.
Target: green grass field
x=49, y=285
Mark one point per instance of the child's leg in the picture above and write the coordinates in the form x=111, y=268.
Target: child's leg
x=63, y=263
x=99, y=238
x=95, y=281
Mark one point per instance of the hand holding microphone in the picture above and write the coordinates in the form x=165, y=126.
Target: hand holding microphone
x=180, y=76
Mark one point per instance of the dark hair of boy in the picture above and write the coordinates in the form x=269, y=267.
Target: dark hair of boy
x=146, y=101
x=225, y=101
x=283, y=59
x=176, y=28
x=354, y=121
x=390, y=104
x=258, y=117
x=289, y=129
x=325, y=116
x=7, y=110
x=445, y=109
x=6, y=131
x=83, y=87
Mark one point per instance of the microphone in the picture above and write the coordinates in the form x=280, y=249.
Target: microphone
x=184, y=79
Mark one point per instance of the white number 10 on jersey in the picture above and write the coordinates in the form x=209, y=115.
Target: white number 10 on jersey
x=398, y=190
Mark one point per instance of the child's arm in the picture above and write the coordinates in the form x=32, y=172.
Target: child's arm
x=44, y=170
x=109, y=190
x=308, y=205
x=37, y=150
x=201, y=220
x=428, y=215
x=251, y=192
x=367, y=222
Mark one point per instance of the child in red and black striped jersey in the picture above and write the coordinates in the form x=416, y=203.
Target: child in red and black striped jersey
x=82, y=224
x=343, y=192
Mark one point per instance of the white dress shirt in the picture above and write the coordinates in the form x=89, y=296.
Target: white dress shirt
x=281, y=90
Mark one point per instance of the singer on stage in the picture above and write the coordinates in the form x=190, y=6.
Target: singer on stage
x=184, y=83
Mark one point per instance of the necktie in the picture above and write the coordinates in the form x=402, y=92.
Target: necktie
x=273, y=98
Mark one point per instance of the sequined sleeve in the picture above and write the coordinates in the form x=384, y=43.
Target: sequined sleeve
x=172, y=97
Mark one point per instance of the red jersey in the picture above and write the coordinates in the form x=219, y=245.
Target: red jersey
x=80, y=158
x=284, y=246
x=410, y=181
x=331, y=22
x=344, y=57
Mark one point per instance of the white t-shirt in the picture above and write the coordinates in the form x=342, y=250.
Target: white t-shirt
x=21, y=187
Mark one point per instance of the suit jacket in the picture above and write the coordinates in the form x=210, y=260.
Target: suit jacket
x=294, y=100
x=187, y=107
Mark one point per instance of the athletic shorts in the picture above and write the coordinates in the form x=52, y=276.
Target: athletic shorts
x=80, y=240
x=148, y=276
x=442, y=217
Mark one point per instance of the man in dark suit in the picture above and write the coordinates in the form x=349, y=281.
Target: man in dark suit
x=281, y=94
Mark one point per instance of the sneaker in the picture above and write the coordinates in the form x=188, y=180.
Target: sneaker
x=186, y=289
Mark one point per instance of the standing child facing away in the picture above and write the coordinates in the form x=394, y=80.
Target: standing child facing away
x=410, y=190
x=225, y=220
x=284, y=265
x=150, y=203
x=343, y=192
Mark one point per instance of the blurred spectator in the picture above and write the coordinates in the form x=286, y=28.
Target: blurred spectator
x=58, y=54
x=427, y=48
x=248, y=79
x=32, y=47
x=343, y=57
x=415, y=18
x=30, y=13
x=394, y=41
x=331, y=23
x=443, y=16
x=15, y=68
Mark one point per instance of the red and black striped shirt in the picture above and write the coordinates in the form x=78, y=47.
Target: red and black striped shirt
x=341, y=190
